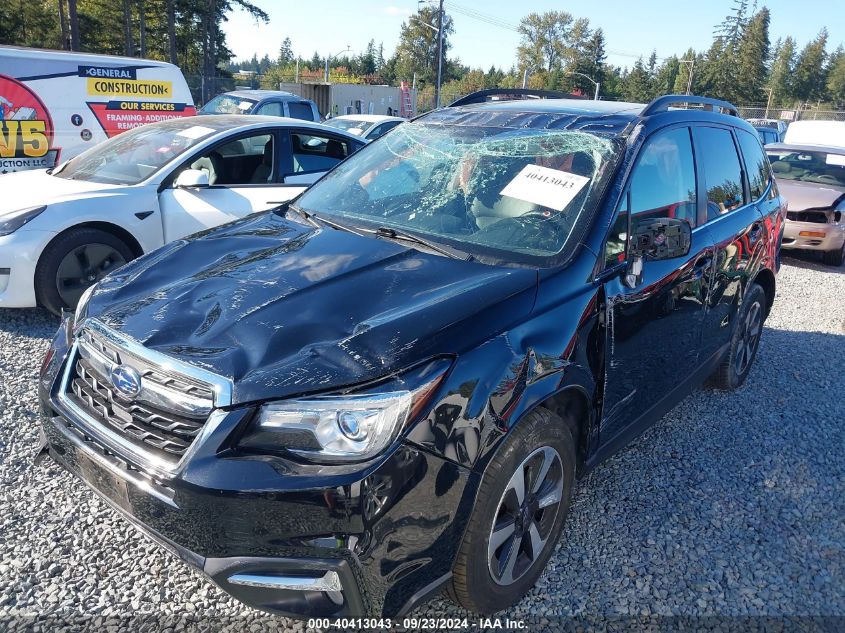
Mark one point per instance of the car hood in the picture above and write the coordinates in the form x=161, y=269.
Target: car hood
x=281, y=308
x=36, y=187
x=808, y=195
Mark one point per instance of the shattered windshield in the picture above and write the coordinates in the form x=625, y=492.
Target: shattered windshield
x=482, y=189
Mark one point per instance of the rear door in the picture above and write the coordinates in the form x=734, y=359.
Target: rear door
x=736, y=225
x=244, y=178
x=654, y=330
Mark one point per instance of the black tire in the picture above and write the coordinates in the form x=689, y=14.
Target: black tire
x=835, y=258
x=473, y=585
x=745, y=341
x=57, y=287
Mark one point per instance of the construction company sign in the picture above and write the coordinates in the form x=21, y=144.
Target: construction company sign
x=123, y=112
x=26, y=129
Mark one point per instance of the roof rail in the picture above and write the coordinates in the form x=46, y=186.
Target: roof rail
x=510, y=94
x=661, y=104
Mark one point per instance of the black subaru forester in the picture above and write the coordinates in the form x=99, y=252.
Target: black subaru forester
x=388, y=387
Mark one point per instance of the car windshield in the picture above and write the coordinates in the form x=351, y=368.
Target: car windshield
x=350, y=124
x=134, y=156
x=514, y=194
x=228, y=104
x=825, y=168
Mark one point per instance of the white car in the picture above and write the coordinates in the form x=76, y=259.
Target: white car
x=367, y=126
x=62, y=230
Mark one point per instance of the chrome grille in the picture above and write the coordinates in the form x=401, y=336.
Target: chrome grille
x=161, y=422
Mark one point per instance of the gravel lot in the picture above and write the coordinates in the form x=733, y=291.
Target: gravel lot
x=732, y=505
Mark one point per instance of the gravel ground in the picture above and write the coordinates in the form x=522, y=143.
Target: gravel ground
x=733, y=505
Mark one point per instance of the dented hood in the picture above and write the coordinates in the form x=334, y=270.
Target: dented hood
x=281, y=308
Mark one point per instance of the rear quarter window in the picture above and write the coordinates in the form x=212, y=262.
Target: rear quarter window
x=299, y=110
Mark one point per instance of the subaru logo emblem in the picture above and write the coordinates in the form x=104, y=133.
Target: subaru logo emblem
x=126, y=380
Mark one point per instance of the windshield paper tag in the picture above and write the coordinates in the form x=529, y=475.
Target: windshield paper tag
x=195, y=132
x=550, y=188
x=836, y=159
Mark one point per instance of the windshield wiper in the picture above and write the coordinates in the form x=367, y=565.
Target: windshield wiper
x=336, y=225
x=391, y=233
x=301, y=213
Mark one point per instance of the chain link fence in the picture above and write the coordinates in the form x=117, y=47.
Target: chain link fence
x=801, y=113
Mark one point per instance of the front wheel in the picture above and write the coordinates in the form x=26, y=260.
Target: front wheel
x=72, y=262
x=521, y=506
x=835, y=257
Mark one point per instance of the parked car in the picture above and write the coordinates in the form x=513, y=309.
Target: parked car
x=263, y=102
x=769, y=135
x=823, y=133
x=773, y=124
x=812, y=179
x=367, y=126
x=389, y=386
x=56, y=104
x=63, y=229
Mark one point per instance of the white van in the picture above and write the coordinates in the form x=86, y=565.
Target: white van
x=55, y=104
x=825, y=133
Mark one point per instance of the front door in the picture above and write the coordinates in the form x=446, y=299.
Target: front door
x=654, y=329
x=243, y=178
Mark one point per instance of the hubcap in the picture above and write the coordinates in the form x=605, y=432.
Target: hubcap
x=526, y=516
x=749, y=337
x=84, y=266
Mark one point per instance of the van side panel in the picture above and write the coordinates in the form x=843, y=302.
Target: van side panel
x=55, y=105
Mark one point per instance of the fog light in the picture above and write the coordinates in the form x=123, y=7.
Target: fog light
x=350, y=426
x=811, y=234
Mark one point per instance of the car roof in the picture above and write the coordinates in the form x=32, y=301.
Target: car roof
x=48, y=53
x=829, y=149
x=243, y=122
x=264, y=94
x=373, y=118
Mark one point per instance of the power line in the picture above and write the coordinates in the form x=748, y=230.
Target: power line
x=481, y=17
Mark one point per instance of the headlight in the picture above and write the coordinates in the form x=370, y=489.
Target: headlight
x=82, y=306
x=349, y=428
x=11, y=222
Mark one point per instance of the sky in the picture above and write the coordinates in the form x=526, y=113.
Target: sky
x=631, y=27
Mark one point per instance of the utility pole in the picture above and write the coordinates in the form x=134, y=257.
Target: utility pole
x=439, y=56
x=691, y=63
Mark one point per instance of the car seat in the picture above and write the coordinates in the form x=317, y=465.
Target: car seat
x=264, y=170
x=212, y=165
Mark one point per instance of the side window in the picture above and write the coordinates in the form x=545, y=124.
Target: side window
x=271, y=108
x=244, y=161
x=756, y=164
x=722, y=170
x=316, y=152
x=382, y=129
x=662, y=184
x=299, y=110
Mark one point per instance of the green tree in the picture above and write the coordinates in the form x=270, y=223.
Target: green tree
x=545, y=41
x=836, y=77
x=636, y=85
x=285, y=52
x=416, y=52
x=808, y=79
x=666, y=76
x=752, y=55
x=779, y=84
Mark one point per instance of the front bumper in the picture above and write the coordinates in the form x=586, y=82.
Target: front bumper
x=832, y=239
x=19, y=254
x=288, y=538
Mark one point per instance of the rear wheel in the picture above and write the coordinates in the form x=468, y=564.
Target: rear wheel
x=835, y=258
x=744, y=342
x=74, y=261
x=521, y=506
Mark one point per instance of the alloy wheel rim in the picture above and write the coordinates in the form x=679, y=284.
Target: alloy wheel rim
x=84, y=266
x=525, y=516
x=749, y=337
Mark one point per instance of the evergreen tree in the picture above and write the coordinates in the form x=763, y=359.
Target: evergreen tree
x=636, y=85
x=809, y=79
x=752, y=54
x=285, y=52
x=836, y=77
x=780, y=75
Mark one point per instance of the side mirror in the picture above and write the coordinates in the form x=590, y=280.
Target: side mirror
x=191, y=179
x=661, y=238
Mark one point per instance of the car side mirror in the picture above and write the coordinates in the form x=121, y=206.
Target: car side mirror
x=661, y=238
x=191, y=179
